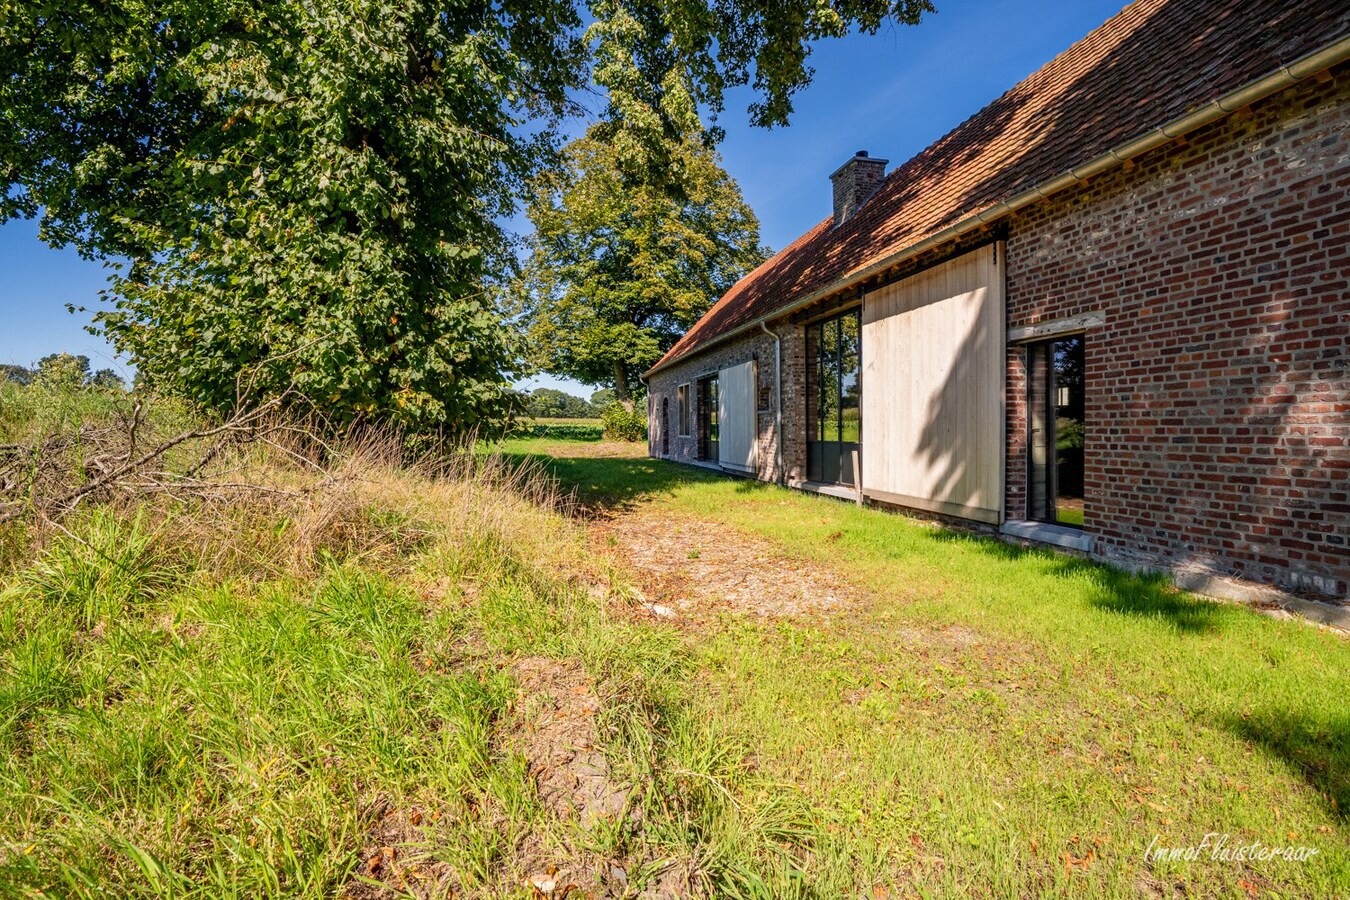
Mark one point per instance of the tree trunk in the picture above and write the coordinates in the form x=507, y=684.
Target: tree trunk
x=621, y=392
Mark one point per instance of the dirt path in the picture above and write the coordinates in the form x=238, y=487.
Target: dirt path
x=695, y=569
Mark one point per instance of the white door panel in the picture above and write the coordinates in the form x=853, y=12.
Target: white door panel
x=736, y=419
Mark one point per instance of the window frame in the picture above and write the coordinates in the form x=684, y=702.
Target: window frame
x=1043, y=346
x=826, y=356
x=709, y=396
x=683, y=410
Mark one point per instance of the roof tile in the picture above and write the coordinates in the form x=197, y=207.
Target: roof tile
x=1154, y=61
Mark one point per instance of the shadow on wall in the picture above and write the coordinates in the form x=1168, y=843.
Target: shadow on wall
x=1026, y=139
x=948, y=442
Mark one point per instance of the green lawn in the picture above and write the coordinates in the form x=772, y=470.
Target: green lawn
x=328, y=694
x=992, y=721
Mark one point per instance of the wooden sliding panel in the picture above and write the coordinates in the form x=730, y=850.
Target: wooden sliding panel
x=933, y=388
x=736, y=417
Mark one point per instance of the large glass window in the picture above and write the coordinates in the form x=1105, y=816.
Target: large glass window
x=1057, y=426
x=834, y=397
x=682, y=395
x=707, y=417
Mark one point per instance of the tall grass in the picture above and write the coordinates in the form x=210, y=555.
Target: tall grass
x=249, y=693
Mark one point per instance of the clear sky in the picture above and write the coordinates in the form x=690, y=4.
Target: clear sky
x=891, y=94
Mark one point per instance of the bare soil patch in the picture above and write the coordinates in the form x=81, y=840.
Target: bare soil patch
x=694, y=569
x=554, y=729
x=557, y=735
x=395, y=859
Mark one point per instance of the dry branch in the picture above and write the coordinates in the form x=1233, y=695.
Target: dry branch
x=56, y=472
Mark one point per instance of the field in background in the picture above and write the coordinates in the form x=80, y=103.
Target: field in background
x=561, y=429
x=564, y=420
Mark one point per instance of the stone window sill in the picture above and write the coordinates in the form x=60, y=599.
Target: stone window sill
x=1045, y=533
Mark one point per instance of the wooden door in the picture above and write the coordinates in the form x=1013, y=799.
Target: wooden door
x=934, y=371
x=736, y=418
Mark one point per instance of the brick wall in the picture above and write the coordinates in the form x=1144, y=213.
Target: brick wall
x=1219, y=386
x=1218, y=400
x=684, y=448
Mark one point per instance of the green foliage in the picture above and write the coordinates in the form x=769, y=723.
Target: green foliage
x=1068, y=434
x=602, y=398
x=304, y=196
x=108, y=380
x=550, y=403
x=563, y=431
x=12, y=374
x=107, y=570
x=624, y=424
x=63, y=371
x=640, y=229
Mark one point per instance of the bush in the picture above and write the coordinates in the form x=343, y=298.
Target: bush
x=623, y=424
x=565, y=431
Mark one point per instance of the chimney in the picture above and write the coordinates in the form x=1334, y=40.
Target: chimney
x=854, y=182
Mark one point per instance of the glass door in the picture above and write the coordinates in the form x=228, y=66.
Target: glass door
x=834, y=398
x=1056, y=425
x=708, y=399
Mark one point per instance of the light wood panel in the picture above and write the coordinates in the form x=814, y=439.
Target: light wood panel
x=736, y=422
x=933, y=387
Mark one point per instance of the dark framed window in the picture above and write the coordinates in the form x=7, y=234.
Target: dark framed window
x=682, y=401
x=1056, y=429
x=707, y=417
x=834, y=397
x=665, y=426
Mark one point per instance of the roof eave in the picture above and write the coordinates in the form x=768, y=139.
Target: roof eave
x=1273, y=82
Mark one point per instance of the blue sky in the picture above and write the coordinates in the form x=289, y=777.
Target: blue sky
x=891, y=94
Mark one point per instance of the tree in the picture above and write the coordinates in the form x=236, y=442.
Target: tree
x=307, y=196
x=63, y=370
x=601, y=399
x=306, y=192
x=550, y=403
x=640, y=229
x=17, y=374
x=108, y=379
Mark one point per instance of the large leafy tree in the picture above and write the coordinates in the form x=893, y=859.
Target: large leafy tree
x=305, y=192
x=640, y=229
x=621, y=269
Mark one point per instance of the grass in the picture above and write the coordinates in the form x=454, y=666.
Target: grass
x=993, y=721
x=259, y=695
x=565, y=420
x=247, y=699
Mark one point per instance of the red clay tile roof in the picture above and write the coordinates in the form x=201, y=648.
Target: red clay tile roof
x=1153, y=62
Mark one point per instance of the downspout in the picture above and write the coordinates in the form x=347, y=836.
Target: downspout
x=777, y=401
x=651, y=411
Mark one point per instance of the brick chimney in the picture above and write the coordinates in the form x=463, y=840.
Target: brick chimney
x=854, y=182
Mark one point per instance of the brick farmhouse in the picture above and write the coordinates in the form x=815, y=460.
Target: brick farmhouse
x=1109, y=312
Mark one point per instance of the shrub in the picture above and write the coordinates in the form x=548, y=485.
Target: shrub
x=622, y=424
x=566, y=431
